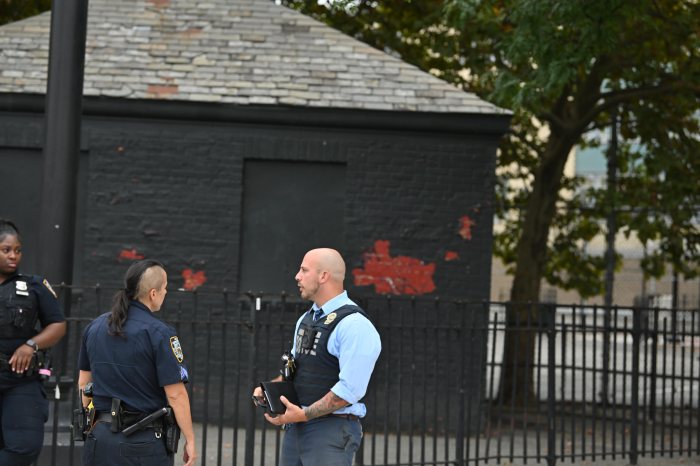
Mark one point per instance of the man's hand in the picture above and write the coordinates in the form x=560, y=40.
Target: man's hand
x=293, y=414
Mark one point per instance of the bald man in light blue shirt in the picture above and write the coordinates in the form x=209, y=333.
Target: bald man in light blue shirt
x=336, y=350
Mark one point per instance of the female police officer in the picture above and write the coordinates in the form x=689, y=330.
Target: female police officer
x=24, y=300
x=135, y=363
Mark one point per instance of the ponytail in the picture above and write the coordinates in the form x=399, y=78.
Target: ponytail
x=118, y=313
x=123, y=297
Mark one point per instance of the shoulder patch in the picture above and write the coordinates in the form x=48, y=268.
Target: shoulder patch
x=177, y=349
x=48, y=287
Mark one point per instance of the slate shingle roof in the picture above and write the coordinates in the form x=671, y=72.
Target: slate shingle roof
x=229, y=51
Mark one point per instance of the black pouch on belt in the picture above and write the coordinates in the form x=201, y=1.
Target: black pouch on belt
x=116, y=414
x=172, y=431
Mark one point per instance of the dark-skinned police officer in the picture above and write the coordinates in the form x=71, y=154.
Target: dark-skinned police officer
x=136, y=365
x=25, y=301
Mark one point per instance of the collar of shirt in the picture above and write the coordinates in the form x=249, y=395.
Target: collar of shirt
x=139, y=305
x=11, y=278
x=334, y=303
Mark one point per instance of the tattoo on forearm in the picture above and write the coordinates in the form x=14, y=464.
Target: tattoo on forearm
x=326, y=405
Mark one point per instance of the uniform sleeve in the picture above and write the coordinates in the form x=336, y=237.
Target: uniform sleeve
x=170, y=359
x=49, y=308
x=356, y=344
x=83, y=358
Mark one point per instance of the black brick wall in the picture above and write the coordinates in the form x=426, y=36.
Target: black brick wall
x=173, y=190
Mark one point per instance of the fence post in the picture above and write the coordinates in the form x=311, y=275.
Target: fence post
x=550, y=311
x=459, y=437
x=605, y=382
x=252, y=370
x=634, y=427
x=651, y=401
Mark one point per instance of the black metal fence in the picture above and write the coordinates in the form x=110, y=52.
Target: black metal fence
x=589, y=383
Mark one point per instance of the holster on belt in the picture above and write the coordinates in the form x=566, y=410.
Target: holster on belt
x=78, y=426
x=172, y=431
x=83, y=418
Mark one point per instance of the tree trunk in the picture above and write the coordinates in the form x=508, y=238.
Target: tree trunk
x=523, y=313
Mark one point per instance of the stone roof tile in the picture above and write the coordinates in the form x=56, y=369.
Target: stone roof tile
x=234, y=51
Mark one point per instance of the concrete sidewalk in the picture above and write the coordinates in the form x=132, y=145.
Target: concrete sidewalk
x=226, y=446
x=404, y=450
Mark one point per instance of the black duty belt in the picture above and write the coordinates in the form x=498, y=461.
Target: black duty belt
x=106, y=416
x=349, y=417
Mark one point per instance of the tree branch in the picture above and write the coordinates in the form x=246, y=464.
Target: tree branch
x=522, y=137
x=614, y=98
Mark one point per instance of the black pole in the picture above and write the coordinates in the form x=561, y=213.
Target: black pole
x=64, y=92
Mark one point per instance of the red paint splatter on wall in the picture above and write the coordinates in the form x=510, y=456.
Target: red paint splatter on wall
x=465, y=227
x=451, y=256
x=193, y=280
x=130, y=254
x=394, y=275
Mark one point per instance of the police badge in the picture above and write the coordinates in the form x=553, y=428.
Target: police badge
x=331, y=317
x=177, y=349
x=21, y=288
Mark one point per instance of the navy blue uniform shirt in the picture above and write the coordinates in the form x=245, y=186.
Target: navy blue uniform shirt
x=135, y=367
x=49, y=310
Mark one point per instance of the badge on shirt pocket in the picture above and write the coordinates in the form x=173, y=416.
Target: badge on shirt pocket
x=21, y=288
x=177, y=349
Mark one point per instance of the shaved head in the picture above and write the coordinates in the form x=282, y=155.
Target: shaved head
x=321, y=275
x=329, y=260
x=153, y=278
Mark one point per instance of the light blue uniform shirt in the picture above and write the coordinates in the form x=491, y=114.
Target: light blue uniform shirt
x=356, y=344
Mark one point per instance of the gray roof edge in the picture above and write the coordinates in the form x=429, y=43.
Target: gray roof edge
x=319, y=67
x=488, y=124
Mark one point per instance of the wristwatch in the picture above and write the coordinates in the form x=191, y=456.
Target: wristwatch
x=33, y=344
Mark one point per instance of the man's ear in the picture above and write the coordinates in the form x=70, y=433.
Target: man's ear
x=325, y=275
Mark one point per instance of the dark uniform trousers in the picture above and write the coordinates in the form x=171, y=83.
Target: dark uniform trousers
x=106, y=448
x=24, y=410
x=326, y=441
